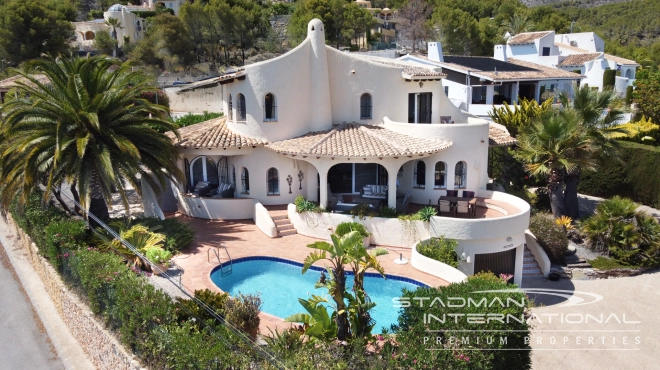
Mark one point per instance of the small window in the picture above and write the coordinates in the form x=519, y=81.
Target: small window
x=460, y=174
x=230, y=107
x=273, y=181
x=420, y=174
x=365, y=106
x=447, y=90
x=628, y=73
x=240, y=109
x=245, y=180
x=270, y=108
x=440, y=176
x=546, y=52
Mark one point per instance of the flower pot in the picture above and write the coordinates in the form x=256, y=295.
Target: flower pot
x=366, y=241
x=554, y=276
x=162, y=266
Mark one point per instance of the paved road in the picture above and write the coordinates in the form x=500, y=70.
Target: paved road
x=621, y=332
x=24, y=343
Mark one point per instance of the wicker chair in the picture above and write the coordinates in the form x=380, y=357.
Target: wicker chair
x=462, y=208
x=444, y=207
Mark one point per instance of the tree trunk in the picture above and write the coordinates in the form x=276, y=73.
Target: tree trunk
x=572, y=208
x=338, y=296
x=97, y=204
x=556, y=193
x=58, y=196
x=76, y=196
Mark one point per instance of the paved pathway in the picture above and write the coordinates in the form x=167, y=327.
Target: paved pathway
x=632, y=343
x=24, y=343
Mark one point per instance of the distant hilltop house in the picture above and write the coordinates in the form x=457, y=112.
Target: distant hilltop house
x=130, y=26
x=343, y=130
x=386, y=23
x=171, y=4
x=582, y=53
x=476, y=84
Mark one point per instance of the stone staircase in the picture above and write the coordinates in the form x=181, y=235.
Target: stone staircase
x=574, y=261
x=530, y=266
x=282, y=223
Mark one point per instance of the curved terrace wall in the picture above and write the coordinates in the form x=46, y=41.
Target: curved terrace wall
x=435, y=268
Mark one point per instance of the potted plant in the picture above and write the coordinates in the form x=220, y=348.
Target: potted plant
x=346, y=227
x=160, y=257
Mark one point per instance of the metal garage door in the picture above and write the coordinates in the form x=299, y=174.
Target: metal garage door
x=497, y=263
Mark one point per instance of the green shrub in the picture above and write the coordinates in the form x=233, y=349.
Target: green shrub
x=551, y=237
x=415, y=324
x=425, y=214
x=144, y=13
x=346, y=227
x=190, y=309
x=440, y=249
x=64, y=235
x=191, y=119
x=158, y=255
x=304, y=205
x=605, y=263
x=387, y=212
x=177, y=233
x=243, y=312
x=96, y=14
x=630, y=237
x=363, y=211
x=609, y=77
x=629, y=95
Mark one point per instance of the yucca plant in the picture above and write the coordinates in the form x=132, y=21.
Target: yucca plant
x=565, y=222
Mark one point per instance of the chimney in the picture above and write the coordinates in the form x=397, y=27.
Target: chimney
x=435, y=52
x=500, y=53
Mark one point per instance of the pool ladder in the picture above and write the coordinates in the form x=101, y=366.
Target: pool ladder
x=216, y=251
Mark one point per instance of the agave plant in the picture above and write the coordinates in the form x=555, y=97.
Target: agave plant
x=565, y=222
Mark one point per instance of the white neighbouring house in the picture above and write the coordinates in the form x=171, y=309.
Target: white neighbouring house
x=476, y=84
x=131, y=26
x=340, y=129
x=582, y=52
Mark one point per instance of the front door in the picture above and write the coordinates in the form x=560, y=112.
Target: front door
x=497, y=263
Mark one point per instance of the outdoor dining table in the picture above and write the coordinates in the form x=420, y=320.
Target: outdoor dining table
x=472, y=203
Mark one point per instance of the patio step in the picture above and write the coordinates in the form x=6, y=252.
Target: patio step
x=282, y=223
x=279, y=217
x=284, y=227
x=530, y=265
x=287, y=232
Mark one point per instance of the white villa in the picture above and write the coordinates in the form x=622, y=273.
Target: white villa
x=131, y=26
x=475, y=84
x=580, y=52
x=342, y=129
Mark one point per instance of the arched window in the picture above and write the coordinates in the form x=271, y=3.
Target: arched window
x=365, y=106
x=420, y=174
x=231, y=109
x=628, y=73
x=270, y=108
x=273, y=181
x=440, y=181
x=460, y=175
x=240, y=108
x=89, y=35
x=245, y=180
x=203, y=169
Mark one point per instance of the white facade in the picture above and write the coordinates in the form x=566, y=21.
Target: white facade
x=586, y=48
x=131, y=27
x=171, y=4
x=313, y=88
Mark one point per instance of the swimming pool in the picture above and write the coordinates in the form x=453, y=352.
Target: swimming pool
x=281, y=283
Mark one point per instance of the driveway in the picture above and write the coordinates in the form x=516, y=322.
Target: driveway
x=619, y=331
x=23, y=340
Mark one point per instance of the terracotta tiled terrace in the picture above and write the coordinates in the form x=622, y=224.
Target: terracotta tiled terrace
x=244, y=239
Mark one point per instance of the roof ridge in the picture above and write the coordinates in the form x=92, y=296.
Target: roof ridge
x=384, y=138
x=327, y=136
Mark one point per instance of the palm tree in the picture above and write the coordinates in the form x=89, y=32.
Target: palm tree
x=338, y=255
x=361, y=261
x=518, y=24
x=598, y=113
x=114, y=23
x=555, y=145
x=89, y=127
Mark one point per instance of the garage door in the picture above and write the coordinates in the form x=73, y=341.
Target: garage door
x=497, y=263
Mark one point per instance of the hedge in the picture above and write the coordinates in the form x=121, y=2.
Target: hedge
x=629, y=95
x=609, y=77
x=634, y=176
x=551, y=237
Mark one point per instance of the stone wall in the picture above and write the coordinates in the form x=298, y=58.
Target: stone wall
x=100, y=346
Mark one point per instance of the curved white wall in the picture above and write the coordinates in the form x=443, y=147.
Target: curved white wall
x=263, y=220
x=435, y=268
x=216, y=209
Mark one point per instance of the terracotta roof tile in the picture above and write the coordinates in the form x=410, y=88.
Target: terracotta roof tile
x=411, y=70
x=622, y=61
x=359, y=141
x=499, y=136
x=569, y=47
x=212, y=134
x=526, y=38
x=578, y=59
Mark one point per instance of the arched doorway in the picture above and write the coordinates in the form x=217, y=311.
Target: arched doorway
x=347, y=178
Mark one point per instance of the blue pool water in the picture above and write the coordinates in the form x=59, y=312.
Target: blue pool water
x=281, y=283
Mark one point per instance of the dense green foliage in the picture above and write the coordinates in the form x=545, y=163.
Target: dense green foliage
x=166, y=44
x=440, y=249
x=178, y=235
x=609, y=76
x=605, y=263
x=634, y=177
x=551, y=237
x=647, y=94
x=346, y=227
x=629, y=236
x=104, y=43
x=414, y=339
x=29, y=28
x=304, y=205
x=191, y=119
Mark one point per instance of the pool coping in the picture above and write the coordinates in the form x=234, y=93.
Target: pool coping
x=417, y=283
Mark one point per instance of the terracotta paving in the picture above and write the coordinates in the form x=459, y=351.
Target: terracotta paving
x=244, y=239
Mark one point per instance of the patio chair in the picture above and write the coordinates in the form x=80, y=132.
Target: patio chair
x=402, y=204
x=462, y=208
x=468, y=194
x=444, y=206
x=452, y=193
